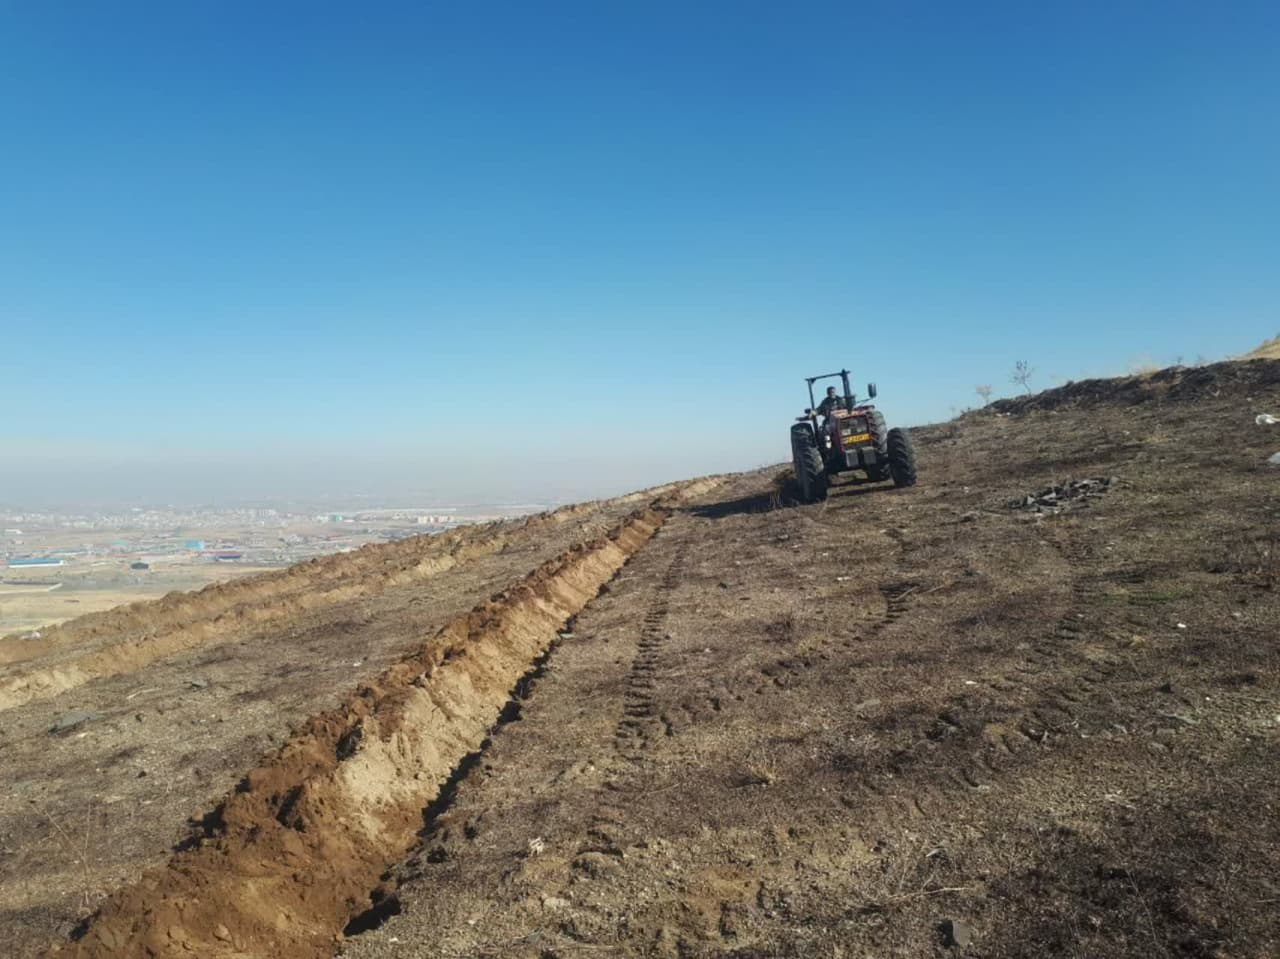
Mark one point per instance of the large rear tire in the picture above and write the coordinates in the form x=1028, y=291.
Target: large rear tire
x=806, y=463
x=902, y=458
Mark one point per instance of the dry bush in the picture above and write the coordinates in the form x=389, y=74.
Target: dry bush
x=782, y=630
x=782, y=490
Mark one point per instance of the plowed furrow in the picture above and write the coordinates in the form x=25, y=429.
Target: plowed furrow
x=282, y=864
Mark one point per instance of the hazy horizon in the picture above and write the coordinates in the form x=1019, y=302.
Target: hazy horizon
x=49, y=476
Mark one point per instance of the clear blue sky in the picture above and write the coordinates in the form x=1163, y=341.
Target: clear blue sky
x=557, y=249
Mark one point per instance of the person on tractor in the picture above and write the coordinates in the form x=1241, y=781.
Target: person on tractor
x=834, y=401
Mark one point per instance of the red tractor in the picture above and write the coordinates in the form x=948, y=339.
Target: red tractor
x=852, y=436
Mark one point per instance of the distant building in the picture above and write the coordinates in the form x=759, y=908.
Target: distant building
x=139, y=565
x=37, y=562
x=193, y=544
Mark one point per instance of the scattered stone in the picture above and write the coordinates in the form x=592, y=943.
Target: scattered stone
x=222, y=932
x=73, y=720
x=1055, y=499
x=1265, y=419
x=1273, y=459
x=956, y=933
x=197, y=684
x=554, y=903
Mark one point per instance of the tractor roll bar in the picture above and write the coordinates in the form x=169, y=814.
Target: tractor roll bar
x=843, y=374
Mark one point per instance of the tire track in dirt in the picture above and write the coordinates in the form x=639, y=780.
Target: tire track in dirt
x=282, y=865
x=1071, y=682
x=640, y=728
x=895, y=602
x=642, y=723
x=971, y=744
x=1070, y=698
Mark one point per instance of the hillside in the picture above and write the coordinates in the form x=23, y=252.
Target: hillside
x=1003, y=713
x=1270, y=350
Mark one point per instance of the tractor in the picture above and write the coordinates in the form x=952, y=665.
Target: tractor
x=852, y=436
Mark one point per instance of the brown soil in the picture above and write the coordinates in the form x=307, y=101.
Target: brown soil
x=865, y=728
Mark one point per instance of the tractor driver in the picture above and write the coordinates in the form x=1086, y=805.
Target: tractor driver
x=834, y=401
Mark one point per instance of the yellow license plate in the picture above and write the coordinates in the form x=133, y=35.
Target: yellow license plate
x=857, y=438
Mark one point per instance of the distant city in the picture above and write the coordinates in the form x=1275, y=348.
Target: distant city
x=58, y=564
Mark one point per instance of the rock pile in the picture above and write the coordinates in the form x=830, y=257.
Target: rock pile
x=1055, y=499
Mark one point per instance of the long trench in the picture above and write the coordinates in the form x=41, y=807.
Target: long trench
x=286, y=860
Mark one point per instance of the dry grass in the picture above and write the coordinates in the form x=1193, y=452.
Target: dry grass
x=1267, y=350
x=75, y=841
x=1252, y=557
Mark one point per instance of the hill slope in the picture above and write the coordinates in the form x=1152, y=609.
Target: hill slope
x=1270, y=350
x=865, y=728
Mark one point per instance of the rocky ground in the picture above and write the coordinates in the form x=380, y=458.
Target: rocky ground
x=1030, y=707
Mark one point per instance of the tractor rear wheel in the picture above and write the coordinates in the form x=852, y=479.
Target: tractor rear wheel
x=902, y=458
x=806, y=462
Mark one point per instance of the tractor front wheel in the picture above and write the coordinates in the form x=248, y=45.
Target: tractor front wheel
x=902, y=458
x=806, y=462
